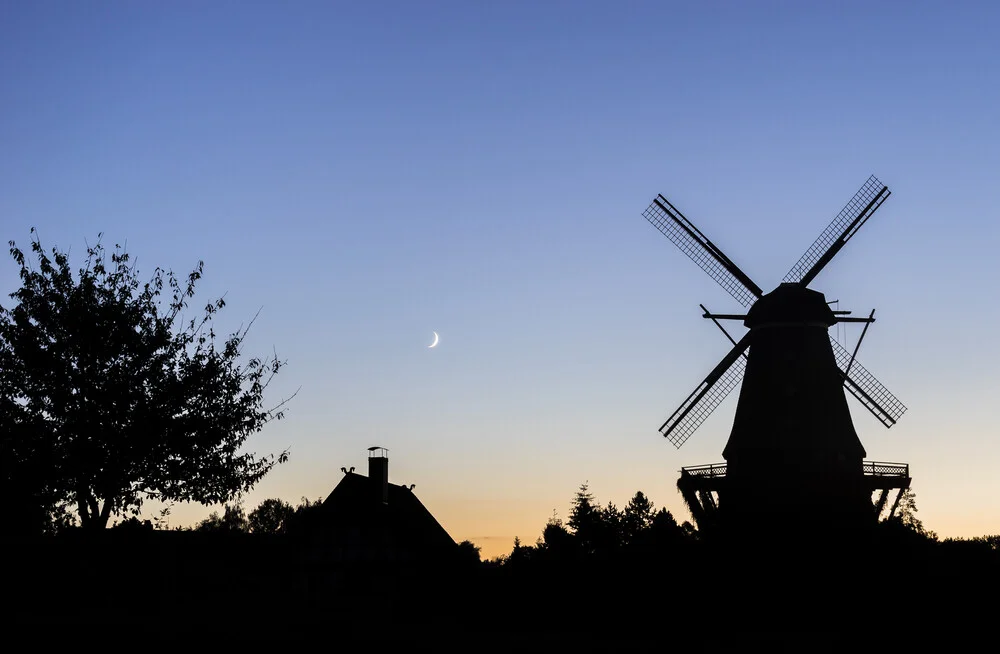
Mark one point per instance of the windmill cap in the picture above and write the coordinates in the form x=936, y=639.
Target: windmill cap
x=790, y=303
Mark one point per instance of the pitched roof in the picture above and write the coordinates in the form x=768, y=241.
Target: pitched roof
x=355, y=507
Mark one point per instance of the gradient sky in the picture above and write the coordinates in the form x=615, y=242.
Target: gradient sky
x=368, y=173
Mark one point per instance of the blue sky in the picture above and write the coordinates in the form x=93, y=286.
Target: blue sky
x=368, y=173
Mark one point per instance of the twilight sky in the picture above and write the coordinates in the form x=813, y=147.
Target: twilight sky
x=367, y=173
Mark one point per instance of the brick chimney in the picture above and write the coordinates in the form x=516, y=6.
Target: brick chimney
x=378, y=472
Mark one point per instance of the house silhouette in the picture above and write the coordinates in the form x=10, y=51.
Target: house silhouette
x=370, y=519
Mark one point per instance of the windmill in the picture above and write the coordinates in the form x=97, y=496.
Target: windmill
x=793, y=451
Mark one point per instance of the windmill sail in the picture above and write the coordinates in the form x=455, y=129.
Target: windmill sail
x=707, y=396
x=870, y=392
x=850, y=219
x=672, y=223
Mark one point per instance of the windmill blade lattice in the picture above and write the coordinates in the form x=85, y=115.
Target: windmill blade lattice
x=864, y=203
x=870, y=392
x=707, y=396
x=682, y=232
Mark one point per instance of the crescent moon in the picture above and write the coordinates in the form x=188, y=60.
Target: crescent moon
x=436, y=339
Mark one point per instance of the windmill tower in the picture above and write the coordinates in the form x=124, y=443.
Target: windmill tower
x=793, y=453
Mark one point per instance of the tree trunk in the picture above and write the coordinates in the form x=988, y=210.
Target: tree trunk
x=105, y=512
x=92, y=515
x=82, y=510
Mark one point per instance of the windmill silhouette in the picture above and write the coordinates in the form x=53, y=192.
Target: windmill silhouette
x=793, y=454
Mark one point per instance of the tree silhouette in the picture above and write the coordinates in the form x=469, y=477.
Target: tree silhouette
x=637, y=517
x=306, y=517
x=233, y=520
x=585, y=520
x=907, y=515
x=520, y=554
x=664, y=530
x=558, y=543
x=611, y=530
x=109, y=397
x=469, y=552
x=272, y=516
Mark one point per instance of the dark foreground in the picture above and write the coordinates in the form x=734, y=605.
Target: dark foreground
x=806, y=596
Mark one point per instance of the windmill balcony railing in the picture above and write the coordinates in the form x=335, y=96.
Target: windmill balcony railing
x=709, y=471
x=869, y=468
x=884, y=469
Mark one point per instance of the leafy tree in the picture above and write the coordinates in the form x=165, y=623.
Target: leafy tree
x=58, y=519
x=134, y=524
x=233, y=520
x=557, y=542
x=305, y=517
x=162, y=520
x=212, y=523
x=469, y=552
x=272, y=516
x=664, y=530
x=907, y=515
x=32, y=499
x=109, y=397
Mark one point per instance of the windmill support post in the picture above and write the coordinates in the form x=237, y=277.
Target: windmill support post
x=700, y=486
x=705, y=489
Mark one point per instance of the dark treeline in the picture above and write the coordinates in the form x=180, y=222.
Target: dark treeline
x=593, y=532
x=605, y=575
x=637, y=565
